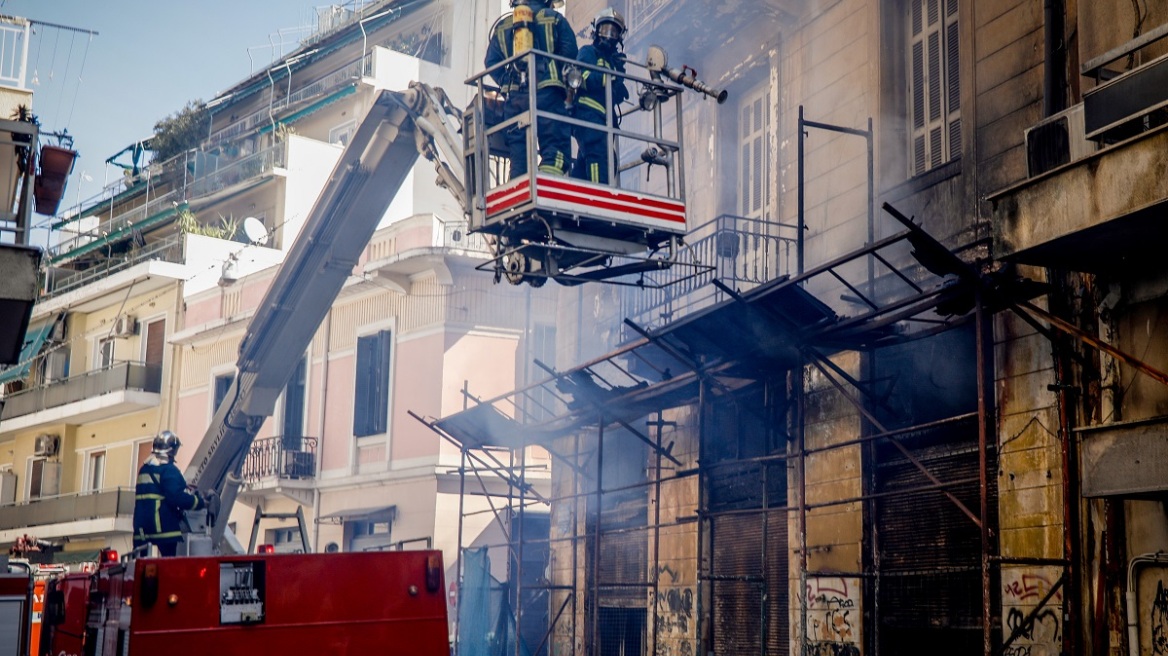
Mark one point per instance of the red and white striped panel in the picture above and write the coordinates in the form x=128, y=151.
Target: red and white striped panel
x=593, y=201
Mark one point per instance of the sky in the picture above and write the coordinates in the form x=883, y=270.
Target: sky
x=147, y=59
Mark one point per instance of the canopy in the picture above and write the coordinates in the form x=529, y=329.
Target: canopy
x=34, y=339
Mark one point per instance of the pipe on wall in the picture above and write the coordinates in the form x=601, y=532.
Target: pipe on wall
x=1133, y=598
x=1054, y=70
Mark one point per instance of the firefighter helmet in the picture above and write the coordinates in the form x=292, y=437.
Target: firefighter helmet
x=539, y=3
x=608, y=28
x=166, y=444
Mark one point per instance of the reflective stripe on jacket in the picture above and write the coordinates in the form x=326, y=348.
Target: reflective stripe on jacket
x=160, y=497
x=591, y=94
x=550, y=33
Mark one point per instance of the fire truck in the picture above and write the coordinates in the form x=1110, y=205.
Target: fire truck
x=214, y=598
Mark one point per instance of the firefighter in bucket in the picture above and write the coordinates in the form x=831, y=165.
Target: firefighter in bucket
x=608, y=34
x=534, y=25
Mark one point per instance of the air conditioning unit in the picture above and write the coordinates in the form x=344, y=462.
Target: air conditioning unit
x=125, y=326
x=46, y=445
x=1057, y=140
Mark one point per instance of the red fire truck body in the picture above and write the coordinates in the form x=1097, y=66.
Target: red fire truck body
x=347, y=603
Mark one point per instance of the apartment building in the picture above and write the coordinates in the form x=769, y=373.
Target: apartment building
x=919, y=410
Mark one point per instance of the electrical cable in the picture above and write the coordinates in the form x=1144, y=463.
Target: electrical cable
x=77, y=89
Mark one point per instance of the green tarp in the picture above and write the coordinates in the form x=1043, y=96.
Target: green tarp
x=34, y=339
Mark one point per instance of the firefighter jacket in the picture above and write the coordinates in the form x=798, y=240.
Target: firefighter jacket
x=161, y=496
x=550, y=33
x=591, y=93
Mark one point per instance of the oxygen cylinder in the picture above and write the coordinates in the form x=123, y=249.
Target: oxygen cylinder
x=523, y=39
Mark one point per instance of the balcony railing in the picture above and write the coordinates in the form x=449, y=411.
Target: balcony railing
x=245, y=168
x=119, y=377
x=122, y=221
x=745, y=253
x=59, y=281
x=280, y=457
x=641, y=12
x=68, y=508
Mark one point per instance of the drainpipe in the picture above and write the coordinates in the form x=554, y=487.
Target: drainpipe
x=324, y=368
x=1133, y=620
x=1054, y=70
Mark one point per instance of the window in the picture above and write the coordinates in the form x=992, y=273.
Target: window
x=369, y=536
x=222, y=386
x=95, y=478
x=145, y=448
x=105, y=353
x=153, y=353
x=371, y=392
x=541, y=401
x=293, y=415
x=753, y=126
x=934, y=88
x=44, y=478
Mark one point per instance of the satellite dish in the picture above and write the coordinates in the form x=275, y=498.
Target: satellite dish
x=256, y=232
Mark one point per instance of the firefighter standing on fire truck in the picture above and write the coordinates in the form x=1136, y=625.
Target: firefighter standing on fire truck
x=608, y=34
x=161, y=497
x=534, y=25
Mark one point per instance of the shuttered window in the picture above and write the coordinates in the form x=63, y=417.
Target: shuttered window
x=753, y=124
x=371, y=391
x=293, y=416
x=934, y=84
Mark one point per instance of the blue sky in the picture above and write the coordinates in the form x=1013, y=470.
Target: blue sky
x=148, y=59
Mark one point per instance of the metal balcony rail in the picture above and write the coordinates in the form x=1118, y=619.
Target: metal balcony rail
x=354, y=70
x=126, y=219
x=240, y=170
x=59, y=281
x=118, y=377
x=280, y=457
x=744, y=252
x=118, y=502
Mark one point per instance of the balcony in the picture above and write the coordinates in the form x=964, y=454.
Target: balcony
x=745, y=253
x=420, y=243
x=1104, y=212
x=59, y=281
x=281, y=464
x=94, y=395
x=74, y=515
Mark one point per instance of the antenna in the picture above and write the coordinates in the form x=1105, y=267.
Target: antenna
x=256, y=233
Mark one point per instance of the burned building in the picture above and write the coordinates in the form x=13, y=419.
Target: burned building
x=917, y=403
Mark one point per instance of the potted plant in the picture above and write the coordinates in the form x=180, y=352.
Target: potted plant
x=24, y=159
x=55, y=166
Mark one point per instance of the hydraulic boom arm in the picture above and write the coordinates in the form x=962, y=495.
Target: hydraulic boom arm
x=398, y=127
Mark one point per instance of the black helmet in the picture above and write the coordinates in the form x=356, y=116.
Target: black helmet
x=166, y=444
x=608, y=28
x=539, y=4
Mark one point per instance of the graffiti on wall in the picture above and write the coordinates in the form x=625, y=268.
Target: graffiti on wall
x=833, y=616
x=1039, y=630
x=675, y=609
x=1159, y=620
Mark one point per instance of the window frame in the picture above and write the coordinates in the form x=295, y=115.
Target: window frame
x=933, y=124
x=102, y=360
x=383, y=402
x=282, y=417
x=90, y=485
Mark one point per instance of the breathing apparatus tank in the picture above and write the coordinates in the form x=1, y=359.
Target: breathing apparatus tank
x=523, y=39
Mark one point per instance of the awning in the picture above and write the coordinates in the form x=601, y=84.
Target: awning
x=34, y=339
x=374, y=514
x=312, y=108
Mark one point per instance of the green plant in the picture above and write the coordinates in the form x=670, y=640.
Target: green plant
x=188, y=223
x=23, y=114
x=180, y=131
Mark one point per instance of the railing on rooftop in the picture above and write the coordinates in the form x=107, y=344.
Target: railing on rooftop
x=354, y=70
x=246, y=168
x=280, y=457
x=118, y=377
x=745, y=253
x=65, y=508
x=59, y=281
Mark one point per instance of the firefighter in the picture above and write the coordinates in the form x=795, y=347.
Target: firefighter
x=534, y=25
x=161, y=497
x=608, y=34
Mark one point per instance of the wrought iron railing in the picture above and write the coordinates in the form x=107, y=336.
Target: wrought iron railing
x=280, y=457
x=745, y=253
x=59, y=281
x=118, y=377
x=65, y=508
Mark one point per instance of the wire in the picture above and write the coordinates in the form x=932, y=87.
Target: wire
x=65, y=77
x=80, y=79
